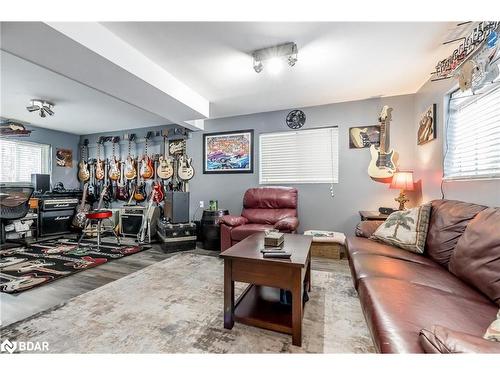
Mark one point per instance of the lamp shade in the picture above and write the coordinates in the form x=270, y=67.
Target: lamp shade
x=402, y=180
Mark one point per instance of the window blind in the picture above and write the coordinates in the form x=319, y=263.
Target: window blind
x=303, y=157
x=20, y=159
x=473, y=136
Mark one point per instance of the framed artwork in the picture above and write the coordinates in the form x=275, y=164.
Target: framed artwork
x=364, y=136
x=228, y=152
x=427, y=126
x=64, y=158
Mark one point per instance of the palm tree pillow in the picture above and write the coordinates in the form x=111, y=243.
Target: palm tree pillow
x=406, y=229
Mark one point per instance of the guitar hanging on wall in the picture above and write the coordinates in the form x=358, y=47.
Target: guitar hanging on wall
x=382, y=165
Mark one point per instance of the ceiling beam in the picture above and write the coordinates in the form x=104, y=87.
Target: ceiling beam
x=89, y=53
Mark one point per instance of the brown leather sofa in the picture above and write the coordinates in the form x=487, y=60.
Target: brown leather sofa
x=454, y=284
x=263, y=208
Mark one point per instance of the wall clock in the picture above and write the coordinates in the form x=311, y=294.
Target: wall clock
x=296, y=119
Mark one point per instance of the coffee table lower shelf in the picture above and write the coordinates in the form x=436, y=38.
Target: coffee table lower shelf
x=260, y=306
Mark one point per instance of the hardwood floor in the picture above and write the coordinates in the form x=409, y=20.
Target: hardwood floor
x=17, y=307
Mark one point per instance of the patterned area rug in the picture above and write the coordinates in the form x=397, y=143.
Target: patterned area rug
x=23, y=268
x=176, y=306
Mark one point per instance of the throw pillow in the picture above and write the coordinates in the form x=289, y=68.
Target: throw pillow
x=406, y=229
x=493, y=331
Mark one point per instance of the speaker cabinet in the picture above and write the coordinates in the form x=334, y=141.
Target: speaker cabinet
x=41, y=182
x=176, y=208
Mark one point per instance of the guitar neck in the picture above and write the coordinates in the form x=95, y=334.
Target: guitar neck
x=383, y=136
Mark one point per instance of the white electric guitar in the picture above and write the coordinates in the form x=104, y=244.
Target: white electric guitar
x=382, y=165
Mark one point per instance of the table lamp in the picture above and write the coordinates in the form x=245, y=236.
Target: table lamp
x=404, y=181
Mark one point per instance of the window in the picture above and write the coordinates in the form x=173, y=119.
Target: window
x=20, y=159
x=473, y=136
x=302, y=157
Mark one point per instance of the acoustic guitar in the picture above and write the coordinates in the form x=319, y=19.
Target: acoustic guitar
x=382, y=165
x=83, y=166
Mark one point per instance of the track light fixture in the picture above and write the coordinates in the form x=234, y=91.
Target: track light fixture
x=45, y=107
x=275, y=55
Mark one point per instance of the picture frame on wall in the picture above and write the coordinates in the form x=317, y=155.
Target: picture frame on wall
x=364, y=136
x=228, y=152
x=64, y=158
x=427, y=126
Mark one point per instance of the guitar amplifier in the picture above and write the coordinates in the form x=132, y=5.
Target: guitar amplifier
x=55, y=222
x=131, y=220
x=57, y=204
x=176, y=207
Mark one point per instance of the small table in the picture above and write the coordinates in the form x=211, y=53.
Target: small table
x=372, y=215
x=259, y=305
x=326, y=244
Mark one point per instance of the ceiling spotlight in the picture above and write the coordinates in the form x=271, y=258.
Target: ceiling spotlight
x=273, y=57
x=45, y=107
x=257, y=66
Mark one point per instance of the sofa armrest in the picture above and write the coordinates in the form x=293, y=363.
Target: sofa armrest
x=288, y=224
x=233, y=221
x=367, y=228
x=442, y=340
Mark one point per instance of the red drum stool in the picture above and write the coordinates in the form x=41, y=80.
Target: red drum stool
x=98, y=217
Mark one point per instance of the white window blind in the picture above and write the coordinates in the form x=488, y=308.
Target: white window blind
x=20, y=159
x=473, y=136
x=302, y=157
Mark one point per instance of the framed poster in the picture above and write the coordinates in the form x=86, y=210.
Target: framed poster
x=64, y=158
x=228, y=152
x=364, y=136
x=427, y=126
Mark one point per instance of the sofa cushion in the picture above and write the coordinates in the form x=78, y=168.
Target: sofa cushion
x=476, y=259
x=243, y=231
x=233, y=221
x=406, y=229
x=397, y=310
x=448, y=221
x=417, y=273
x=493, y=331
x=442, y=340
x=359, y=245
x=367, y=228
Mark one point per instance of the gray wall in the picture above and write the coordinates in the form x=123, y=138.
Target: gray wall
x=317, y=209
x=429, y=157
x=57, y=139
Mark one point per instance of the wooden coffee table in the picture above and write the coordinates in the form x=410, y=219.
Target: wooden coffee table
x=259, y=305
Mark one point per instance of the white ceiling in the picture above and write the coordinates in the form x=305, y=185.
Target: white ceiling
x=337, y=61
x=79, y=109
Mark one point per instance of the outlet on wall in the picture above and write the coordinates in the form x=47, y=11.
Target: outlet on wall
x=202, y=204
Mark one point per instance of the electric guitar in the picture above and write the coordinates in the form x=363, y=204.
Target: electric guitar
x=114, y=165
x=91, y=190
x=157, y=188
x=122, y=191
x=165, y=169
x=185, y=170
x=382, y=165
x=99, y=164
x=146, y=169
x=80, y=219
x=83, y=166
x=130, y=170
x=141, y=236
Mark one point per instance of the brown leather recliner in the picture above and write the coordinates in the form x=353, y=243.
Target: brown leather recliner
x=263, y=208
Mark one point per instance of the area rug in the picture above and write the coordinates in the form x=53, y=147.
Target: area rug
x=176, y=306
x=24, y=268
